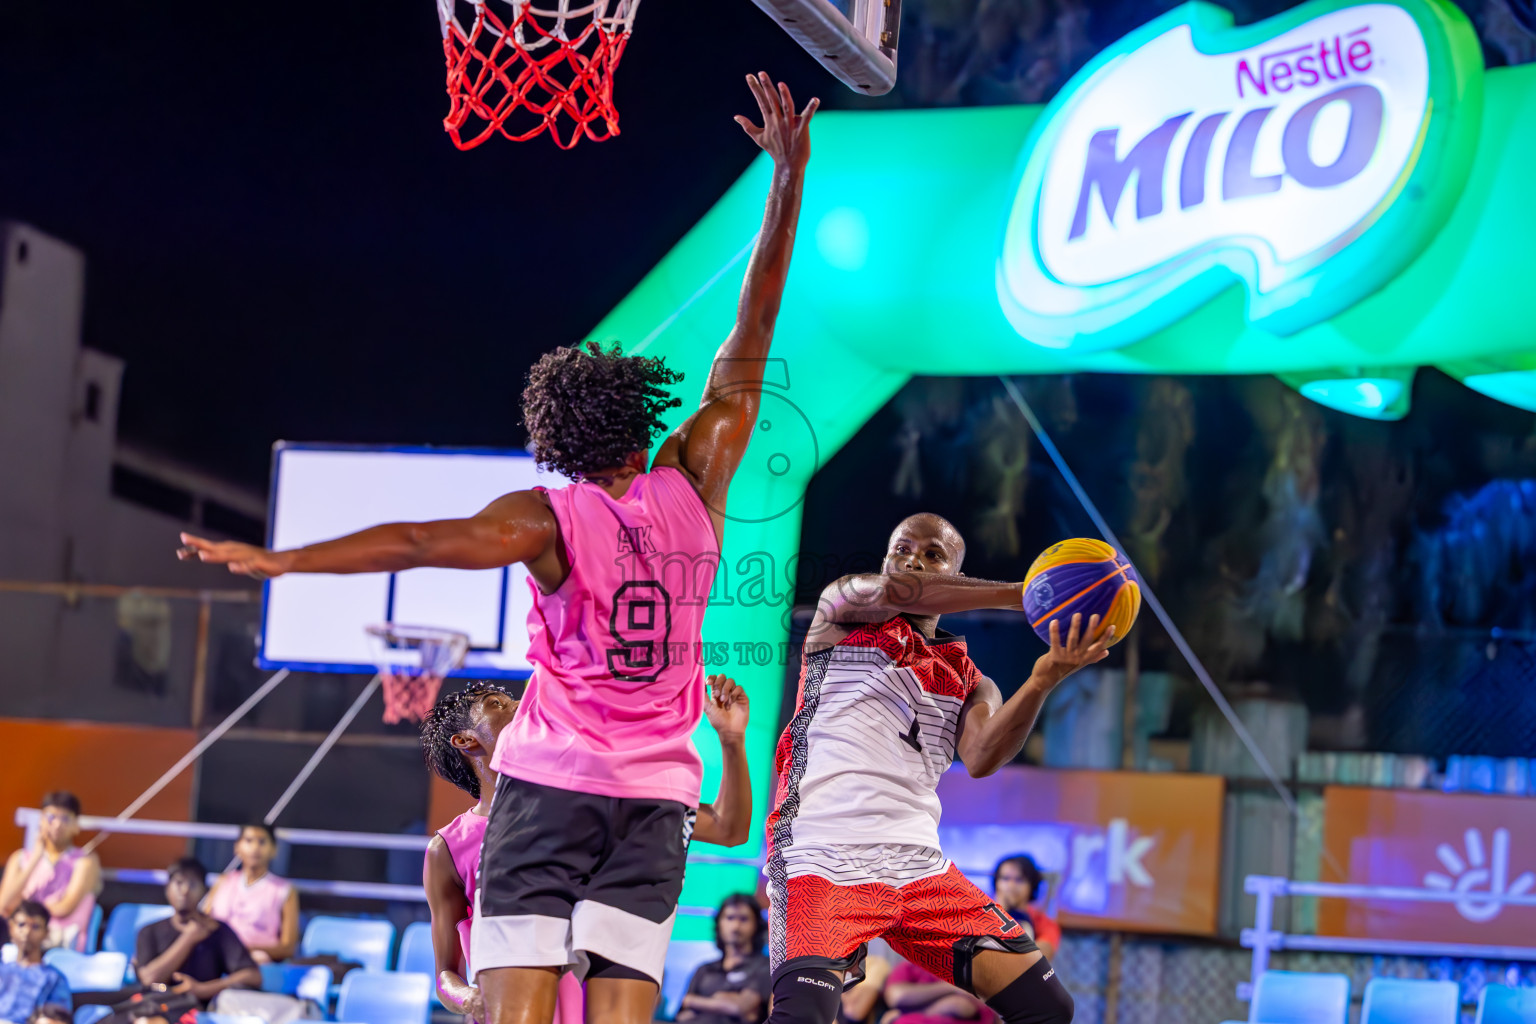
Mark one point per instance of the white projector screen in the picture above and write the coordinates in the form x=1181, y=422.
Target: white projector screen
x=320, y=491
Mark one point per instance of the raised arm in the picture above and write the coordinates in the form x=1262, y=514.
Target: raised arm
x=517, y=527
x=993, y=732
x=17, y=867
x=728, y=821
x=448, y=905
x=710, y=443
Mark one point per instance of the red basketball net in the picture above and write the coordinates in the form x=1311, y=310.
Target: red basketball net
x=409, y=698
x=518, y=69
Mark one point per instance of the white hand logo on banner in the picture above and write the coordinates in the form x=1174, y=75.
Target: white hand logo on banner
x=1474, y=877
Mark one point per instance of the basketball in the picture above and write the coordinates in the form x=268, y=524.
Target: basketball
x=1081, y=575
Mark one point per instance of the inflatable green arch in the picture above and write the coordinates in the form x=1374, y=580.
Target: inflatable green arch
x=1336, y=196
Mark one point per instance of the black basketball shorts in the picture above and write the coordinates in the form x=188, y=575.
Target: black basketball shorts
x=565, y=875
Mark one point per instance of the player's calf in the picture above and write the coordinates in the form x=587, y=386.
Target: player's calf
x=809, y=995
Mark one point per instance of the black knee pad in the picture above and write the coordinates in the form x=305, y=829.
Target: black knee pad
x=1035, y=997
x=809, y=995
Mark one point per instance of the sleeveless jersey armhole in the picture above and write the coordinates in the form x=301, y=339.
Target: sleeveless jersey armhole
x=702, y=508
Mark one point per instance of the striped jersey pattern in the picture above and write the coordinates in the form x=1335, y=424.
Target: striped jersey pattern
x=874, y=729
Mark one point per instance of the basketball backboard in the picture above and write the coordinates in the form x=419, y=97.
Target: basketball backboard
x=853, y=39
x=317, y=623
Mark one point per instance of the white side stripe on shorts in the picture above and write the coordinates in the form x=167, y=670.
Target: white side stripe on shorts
x=626, y=939
x=527, y=940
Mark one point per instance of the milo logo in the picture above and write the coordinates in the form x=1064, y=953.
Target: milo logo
x=1308, y=157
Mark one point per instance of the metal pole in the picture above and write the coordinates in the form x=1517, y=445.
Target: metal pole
x=193, y=754
x=1195, y=664
x=320, y=751
x=200, y=661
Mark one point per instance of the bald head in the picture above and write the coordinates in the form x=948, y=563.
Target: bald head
x=925, y=542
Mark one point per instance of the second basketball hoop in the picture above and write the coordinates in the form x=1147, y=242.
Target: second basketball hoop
x=413, y=661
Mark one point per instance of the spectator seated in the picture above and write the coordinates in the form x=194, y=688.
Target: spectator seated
x=56, y=873
x=29, y=984
x=385, y=997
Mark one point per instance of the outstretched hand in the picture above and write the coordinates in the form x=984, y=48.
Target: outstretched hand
x=242, y=559
x=1082, y=647
x=784, y=134
x=727, y=707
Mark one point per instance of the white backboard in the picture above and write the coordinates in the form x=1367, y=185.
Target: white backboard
x=316, y=623
x=853, y=39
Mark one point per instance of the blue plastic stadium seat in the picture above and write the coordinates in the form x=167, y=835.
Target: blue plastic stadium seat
x=92, y=1014
x=1500, y=1004
x=1295, y=997
x=122, y=932
x=361, y=941
x=89, y=972
x=93, y=930
x=204, y=1017
x=684, y=956
x=1407, y=1001
x=299, y=980
x=385, y=997
x=416, y=949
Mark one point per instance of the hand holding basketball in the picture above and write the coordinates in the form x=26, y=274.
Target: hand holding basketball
x=1082, y=647
x=727, y=707
x=242, y=559
x=784, y=135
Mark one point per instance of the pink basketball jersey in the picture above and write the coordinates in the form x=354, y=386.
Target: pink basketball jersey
x=463, y=836
x=618, y=684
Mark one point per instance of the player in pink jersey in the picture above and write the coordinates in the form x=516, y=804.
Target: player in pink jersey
x=587, y=837
x=458, y=738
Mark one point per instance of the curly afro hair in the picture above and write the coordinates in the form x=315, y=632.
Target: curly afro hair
x=448, y=717
x=589, y=409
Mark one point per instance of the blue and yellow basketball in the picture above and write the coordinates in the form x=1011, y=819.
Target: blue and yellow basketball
x=1081, y=575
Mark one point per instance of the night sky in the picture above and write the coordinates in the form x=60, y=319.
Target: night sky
x=283, y=243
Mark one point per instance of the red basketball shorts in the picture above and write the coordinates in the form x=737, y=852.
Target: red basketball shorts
x=939, y=923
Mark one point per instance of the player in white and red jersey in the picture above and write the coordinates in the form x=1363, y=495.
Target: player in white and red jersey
x=887, y=701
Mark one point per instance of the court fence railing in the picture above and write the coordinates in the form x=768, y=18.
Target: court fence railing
x=29, y=820
x=1264, y=938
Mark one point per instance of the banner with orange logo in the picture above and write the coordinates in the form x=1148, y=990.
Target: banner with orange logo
x=1134, y=850
x=1467, y=844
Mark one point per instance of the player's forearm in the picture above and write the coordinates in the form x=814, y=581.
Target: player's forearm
x=454, y=990
x=730, y=819
x=998, y=739
x=395, y=547
x=762, y=289
x=246, y=977
x=160, y=969
x=876, y=597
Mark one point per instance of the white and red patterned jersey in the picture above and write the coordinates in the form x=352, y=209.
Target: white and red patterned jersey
x=875, y=727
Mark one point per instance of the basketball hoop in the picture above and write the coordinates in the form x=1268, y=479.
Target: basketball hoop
x=527, y=69
x=412, y=662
